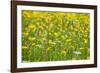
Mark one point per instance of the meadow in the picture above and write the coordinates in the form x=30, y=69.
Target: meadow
x=55, y=36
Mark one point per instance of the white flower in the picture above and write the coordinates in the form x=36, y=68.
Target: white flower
x=77, y=52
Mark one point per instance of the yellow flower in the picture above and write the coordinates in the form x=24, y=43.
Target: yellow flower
x=27, y=14
x=25, y=33
x=50, y=41
x=33, y=44
x=85, y=35
x=31, y=38
x=68, y=40
x=61, y=14
x=85, y=41
x=71, y=15
x=32, y=26
x=86, y=19
x=51, y=25
x=36, y=14
x=56, y=34
x=24, y=47
x=78, y=26
x=81, y=48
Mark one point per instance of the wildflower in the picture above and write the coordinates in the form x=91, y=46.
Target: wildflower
x=31, y=38
x=40, y=46
x=86, y=19
x=61, y=14
x=81, y=48
x=24, y=47
x=51, y=25
x=85, y=35
x=78, y=26
x=85, y=41
x=26, y=14
x=25, y=33
x=71, y=16
x=33, y=44
x=77, y=52
x=56, y=34
x=50, y=41
x=35, y=14
x=32, y=26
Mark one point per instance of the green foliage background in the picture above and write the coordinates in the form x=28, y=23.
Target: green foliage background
x=55, y=36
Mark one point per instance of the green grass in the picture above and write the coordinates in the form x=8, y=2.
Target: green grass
x=55, y=36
